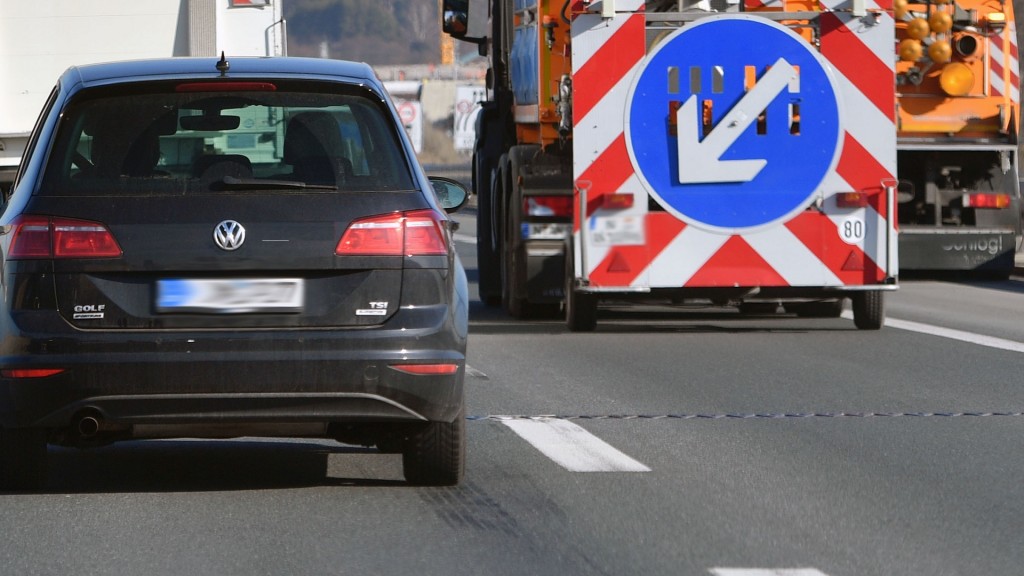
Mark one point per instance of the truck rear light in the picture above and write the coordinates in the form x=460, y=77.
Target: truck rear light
x=418, y=233
x=558, y=206
x=851, y=200
x=36, y=237
x=427, y=369
x=30, y=372
x=617, y=201
x=986, y=201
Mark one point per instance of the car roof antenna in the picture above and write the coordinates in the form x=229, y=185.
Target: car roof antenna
x=223, y=65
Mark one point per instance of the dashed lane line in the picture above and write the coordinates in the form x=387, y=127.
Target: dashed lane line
x=572, y=447
x=766, y=572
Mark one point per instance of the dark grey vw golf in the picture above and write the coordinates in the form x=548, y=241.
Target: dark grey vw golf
x=213, y=249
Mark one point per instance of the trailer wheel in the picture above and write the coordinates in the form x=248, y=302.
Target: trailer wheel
x=22, y=458
x=869, y=310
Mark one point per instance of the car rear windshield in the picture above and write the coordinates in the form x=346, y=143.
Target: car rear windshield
x=245, y=137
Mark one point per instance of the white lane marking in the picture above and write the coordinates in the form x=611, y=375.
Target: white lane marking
x=971, y=337
x=766, y=572
x=572, y=447
x=464, y=238
x=470, y=371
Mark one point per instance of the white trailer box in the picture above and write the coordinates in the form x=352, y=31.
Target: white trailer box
x=39, y=40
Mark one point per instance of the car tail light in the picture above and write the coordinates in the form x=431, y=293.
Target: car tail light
x=30, y=372
x=427, y=369
x=986, y=200
x=418, y=233
x=35, y=237
x=560, y=206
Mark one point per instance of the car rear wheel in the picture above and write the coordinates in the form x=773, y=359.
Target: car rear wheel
x=22, y=458
x=436, y=455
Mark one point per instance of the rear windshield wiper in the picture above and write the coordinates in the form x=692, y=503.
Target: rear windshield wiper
x=259, y=183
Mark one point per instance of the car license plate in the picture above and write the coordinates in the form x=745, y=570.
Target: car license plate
x=237, y=296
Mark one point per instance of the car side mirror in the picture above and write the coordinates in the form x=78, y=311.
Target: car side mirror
x=451, y=194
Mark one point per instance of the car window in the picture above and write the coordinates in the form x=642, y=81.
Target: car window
x=185, y=138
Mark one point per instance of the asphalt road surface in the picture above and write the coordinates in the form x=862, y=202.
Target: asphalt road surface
x=670, y=441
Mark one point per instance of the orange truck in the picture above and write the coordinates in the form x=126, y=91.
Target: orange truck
x=958, y=94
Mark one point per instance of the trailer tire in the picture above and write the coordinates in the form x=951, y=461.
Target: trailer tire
x=869, y=310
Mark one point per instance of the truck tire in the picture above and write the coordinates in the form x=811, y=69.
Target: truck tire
x=513, y=277
x=22, y=458
x=507, y=248
x=869, y=310
x=514, y=282
x=485, y=162
x=487, y=259
x=436, y=455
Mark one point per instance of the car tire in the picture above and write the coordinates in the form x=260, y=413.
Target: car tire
x=436, y=455
x=22, y=458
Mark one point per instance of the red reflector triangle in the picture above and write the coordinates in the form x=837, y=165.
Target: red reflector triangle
x=854, y=262
x=618, y=265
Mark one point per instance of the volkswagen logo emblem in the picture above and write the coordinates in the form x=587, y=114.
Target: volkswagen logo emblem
x=229, y=235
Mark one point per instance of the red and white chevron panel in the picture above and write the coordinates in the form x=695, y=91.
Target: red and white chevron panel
x=1004, y=64
x=658, y=250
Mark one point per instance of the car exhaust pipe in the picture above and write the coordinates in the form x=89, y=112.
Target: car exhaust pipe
x=88, y=426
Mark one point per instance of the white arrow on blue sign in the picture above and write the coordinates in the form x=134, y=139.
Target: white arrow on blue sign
x=775, y=128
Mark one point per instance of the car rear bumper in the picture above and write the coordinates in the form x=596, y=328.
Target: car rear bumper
x=235, y=377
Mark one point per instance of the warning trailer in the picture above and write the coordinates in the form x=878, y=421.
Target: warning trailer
x=743, y=154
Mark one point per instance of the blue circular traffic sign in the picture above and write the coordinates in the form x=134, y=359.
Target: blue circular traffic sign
x=733, y=123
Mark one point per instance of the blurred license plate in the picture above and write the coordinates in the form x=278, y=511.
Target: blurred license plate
x=230, y=296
